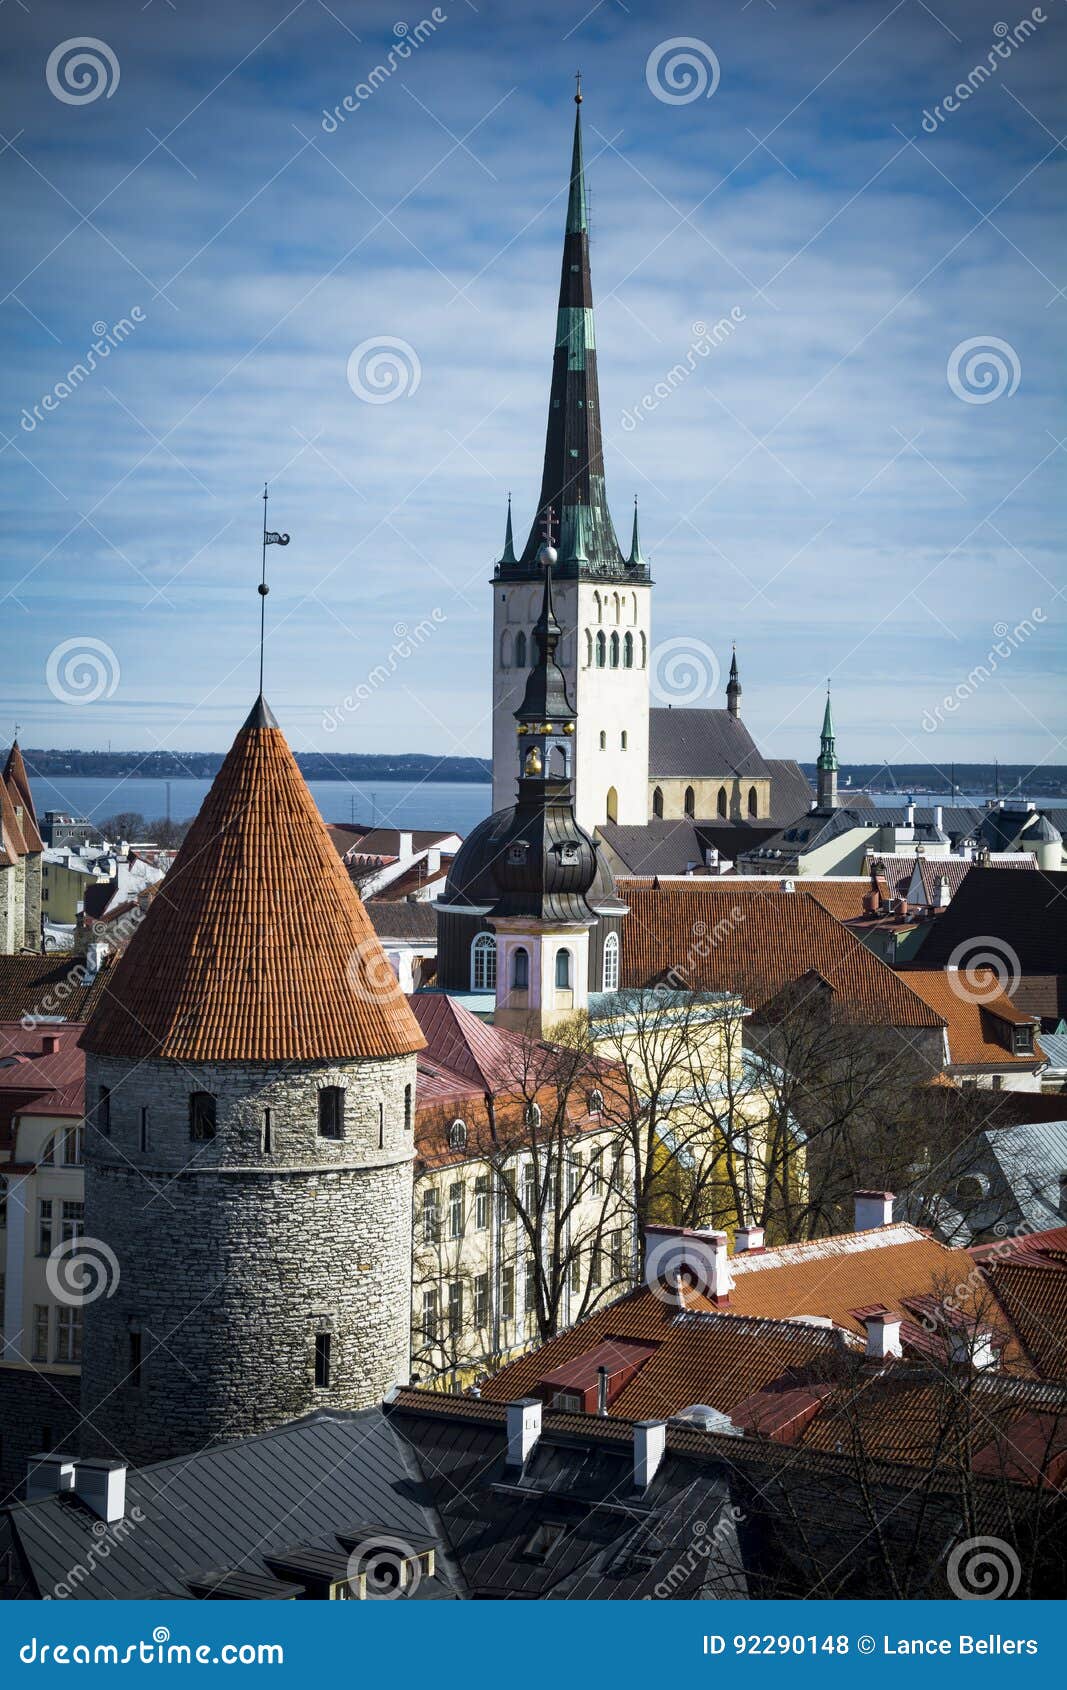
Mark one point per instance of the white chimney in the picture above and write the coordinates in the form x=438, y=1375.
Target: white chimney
x=873, y=1208
x=95, y=957
x=101, y=1485
x=405, y=847
x=909, y=815
x=883, y=1335
x=674, y=1253
x=650, y=1442
x=524, y=1429
x=748, y=1240
x=46, y=1475
x=942, y=896
x=939, y=815
x=972, y=1346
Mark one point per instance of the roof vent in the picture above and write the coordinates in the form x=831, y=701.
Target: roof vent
x=705, y=1419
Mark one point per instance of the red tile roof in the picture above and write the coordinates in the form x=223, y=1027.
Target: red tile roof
x=969, y=1003
x=17, y=782
x=35, y=1080
x=723, y=938
x=256, y=947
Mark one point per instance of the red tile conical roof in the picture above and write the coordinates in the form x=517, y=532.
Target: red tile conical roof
x=17, y=782
x=257, y=947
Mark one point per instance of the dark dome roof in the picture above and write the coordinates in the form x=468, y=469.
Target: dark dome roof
x=480, y=874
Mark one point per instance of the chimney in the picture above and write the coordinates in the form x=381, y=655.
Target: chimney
x=972, y=1346
x=650, y=1442
x=524, y=1429
x=939, y=816
x=101, y=1485
x=405, y=847
x=47, y=1475
x=942, y=896
x=909, y=814
x=883, y=1334
x=95, y=956
x=602, y=1391
x=873, y=1208
x=49, y=1044
x=748, y=1240
x=673, y=1253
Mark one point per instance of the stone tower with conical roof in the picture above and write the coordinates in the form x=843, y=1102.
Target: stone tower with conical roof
x=603, y=599
x=21, y=858
x=250, y=1098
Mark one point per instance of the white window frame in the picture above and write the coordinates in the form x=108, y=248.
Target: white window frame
x=483, y=962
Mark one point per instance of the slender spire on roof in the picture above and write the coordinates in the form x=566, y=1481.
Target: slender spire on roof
x=509, y=539
x=733, y=687
x=572, y=481
x=258, y=948
x=826, y=763
x=545, y=699
x=635, y=559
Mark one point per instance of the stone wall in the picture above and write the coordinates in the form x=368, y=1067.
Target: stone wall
x=38, y=1411
x=32, y=925
x=231, y=1258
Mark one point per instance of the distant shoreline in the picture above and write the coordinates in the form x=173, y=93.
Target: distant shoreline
x=205, y=765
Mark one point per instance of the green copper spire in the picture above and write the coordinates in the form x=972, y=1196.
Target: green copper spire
x=827, y=754
x=635, y=559
x=572, y=479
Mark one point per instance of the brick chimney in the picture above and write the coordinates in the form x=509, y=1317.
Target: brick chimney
x=748, y=1240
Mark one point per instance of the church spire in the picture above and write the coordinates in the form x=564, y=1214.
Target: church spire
x=733, y=688
x=635, y=559
x=827, y=759
x=572, y=481
x=509, y=539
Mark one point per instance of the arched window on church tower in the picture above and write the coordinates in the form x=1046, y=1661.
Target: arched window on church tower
x=483, y=963
x=612, y=805
x=657, y=803
x=520, y=969
x=644, y=651
x=588, y=649
x=520, y=650
x=614, y=651
x=723, y=801
x=505, y=649
x=601, y=649
x=598, y=606
x=753, y=801
x=616, y=609
x=628, y=651
x=690, y=804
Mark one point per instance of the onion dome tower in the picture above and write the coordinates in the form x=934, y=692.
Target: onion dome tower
x=250, y=1098
x=603, y=598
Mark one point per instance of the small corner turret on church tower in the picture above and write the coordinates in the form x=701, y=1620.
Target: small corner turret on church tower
x=733, y=689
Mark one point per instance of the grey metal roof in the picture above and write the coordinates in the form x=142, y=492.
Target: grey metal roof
x=227, y=1509
x=673, y=847
x=701, y=743
x=400, y=919
x=1054, y=1046
x=791, y=791
x=1032, y=1160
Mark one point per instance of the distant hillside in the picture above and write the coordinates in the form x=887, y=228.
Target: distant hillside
x=1010, y=779
x=202, y=765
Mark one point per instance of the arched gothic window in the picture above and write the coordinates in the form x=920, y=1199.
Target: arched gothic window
x=723, y=801
x=457, y=1135
x=644, y=651
x=601, y=649
x=505, y=649
x=657, y=803
x=628, y=652
x=598, y=607
x=690, y=805
x=520, y=650
x=588, y=649
x=753, y=801
x=603, y=740
x=483, y=963
x=611, y=963
x=614, y=651
x=612, y=805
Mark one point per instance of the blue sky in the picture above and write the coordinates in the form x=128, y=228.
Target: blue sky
x=821, y=488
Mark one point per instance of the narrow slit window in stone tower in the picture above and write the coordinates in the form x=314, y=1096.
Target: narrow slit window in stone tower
x=133, y=1373
x=407, y=1109
x=322, y=1360
x=144, y=1126
x=266, y=1145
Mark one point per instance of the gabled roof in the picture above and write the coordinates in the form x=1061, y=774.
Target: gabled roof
x=315, y=1483
x=54, y=987
x=764, y=942
x=897, y=869
x=485, y=1056
x=256, y=947
x=970, y=1006
x=701, y=743
x=791, y=791
x=36, y=1081
x=1025, y=913
x=413, y=921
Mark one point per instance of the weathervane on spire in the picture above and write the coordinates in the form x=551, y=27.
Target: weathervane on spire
x=577, y=87
x=270, y=538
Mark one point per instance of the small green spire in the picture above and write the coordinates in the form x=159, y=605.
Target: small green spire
x=577, y=209
x=827, y=754
x=636, y=558
x=509, y=539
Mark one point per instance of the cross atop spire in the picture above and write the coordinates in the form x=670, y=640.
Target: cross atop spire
x=572, y=480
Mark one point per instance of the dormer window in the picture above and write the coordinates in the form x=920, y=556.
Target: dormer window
x=518, y=852
x=596, y=1101
x=569, y=852
x=457, y=1135
x=1022, y=1040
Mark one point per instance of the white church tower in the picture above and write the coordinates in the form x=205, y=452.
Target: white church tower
x=602, y=599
